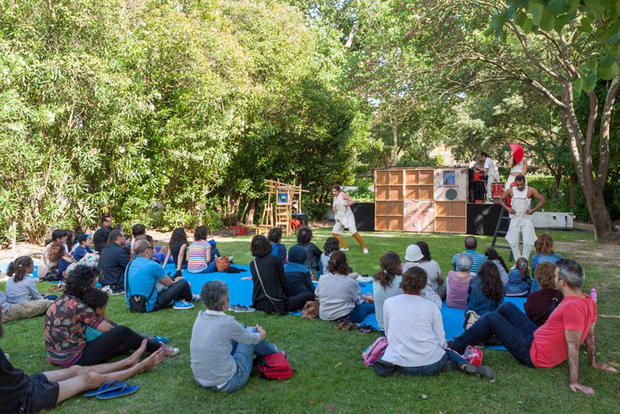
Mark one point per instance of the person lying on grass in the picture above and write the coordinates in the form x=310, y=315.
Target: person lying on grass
x=222, y=349
x=416, y=339
x=571, y=324
x=21, y=393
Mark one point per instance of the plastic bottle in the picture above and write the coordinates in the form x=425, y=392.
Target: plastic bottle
x=593, y=294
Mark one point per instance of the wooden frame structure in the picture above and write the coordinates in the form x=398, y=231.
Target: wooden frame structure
x=278, y=211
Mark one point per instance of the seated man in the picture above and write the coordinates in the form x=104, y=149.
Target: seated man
x=571, y=324
x=142, y=276
x=22, y=310
x=222, y=349
x=84, y=241
x=112, y=262
x=21, y=393
x=470, y=249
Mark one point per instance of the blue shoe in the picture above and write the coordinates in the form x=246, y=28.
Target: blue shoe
x=181, y=304
x=161, y=339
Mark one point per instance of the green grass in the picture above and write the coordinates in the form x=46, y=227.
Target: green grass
x=328, y=370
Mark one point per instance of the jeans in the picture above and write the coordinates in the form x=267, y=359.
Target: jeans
x=211, y=267
x=244, y=356
x=511, y=326
x=177, y=291
x=384, y=368
x=358, y=313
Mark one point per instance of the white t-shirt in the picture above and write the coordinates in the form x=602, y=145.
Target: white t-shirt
x=414, y=330
x=492, y=171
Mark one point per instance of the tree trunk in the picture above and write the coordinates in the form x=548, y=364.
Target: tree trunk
x=249, y=218
x=572, y=198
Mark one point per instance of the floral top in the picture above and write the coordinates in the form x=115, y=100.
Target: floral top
x=65, y=326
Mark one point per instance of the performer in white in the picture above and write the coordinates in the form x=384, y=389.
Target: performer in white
x=517, y=167
x=521, y=216
x=489, y=168
x=344, y=218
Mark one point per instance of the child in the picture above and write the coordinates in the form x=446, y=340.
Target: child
x=519, y=281
x=331, y=245
x=20, y=287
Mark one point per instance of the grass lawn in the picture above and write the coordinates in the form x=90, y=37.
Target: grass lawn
x=328, y=371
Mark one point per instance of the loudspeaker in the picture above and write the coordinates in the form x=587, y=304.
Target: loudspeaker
x=482, y=219
x=364, y=214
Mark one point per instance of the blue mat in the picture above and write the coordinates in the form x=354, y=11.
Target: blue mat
x=241, y=294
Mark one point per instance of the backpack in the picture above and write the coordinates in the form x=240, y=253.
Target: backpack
x=222, y=263
x=274, y=366
x=375, y=351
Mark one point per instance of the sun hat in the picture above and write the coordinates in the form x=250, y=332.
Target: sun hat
x=413, y=253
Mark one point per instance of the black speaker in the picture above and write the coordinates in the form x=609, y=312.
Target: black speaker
x=482, y=219
x=364, y=216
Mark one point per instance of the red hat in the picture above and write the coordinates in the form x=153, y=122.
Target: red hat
x=517, y=152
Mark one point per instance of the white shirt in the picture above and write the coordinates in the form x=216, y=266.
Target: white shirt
x=380, y=294
x=492, y=171
x=518, y=168
x=414, y=330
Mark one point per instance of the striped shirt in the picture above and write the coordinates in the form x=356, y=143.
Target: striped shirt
x=196, y=252
x=478, y=259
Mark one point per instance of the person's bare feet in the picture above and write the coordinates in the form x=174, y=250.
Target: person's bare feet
x=134, y=358
x=152, y=361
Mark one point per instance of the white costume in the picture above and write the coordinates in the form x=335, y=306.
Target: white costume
x=514, y=171
x=344, y=216
x=492, y=176
x=520, y=222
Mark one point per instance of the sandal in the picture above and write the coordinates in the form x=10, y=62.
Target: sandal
x=107, y=387
x=366, y=329
x=125, y=390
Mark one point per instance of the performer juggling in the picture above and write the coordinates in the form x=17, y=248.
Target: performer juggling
x=344, y=218
x=521, y=216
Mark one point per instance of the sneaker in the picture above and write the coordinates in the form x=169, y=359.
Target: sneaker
x=483, y=371
x=196, y=298
x=365, y=251
x=161, y=339
x=181, y=304
x=170, y=350
x=107, y=289
x=344, y=249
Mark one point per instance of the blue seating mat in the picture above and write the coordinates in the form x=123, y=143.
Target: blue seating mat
x=240, y=286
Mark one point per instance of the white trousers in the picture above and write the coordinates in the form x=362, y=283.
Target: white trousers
x=525, y=227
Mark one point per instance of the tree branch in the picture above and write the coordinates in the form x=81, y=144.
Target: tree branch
x=531, y=56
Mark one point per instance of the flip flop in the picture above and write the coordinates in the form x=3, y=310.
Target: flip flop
x=108, y=386
x=125, y=390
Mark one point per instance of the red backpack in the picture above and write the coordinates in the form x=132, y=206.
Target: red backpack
x=274, y=366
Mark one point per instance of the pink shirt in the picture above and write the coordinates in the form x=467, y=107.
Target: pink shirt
x=458, y=287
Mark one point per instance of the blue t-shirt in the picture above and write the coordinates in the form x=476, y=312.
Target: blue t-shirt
x=279, y=250
x=478, y=301
x=477, y=258
x=80, y=252
x=143, y=274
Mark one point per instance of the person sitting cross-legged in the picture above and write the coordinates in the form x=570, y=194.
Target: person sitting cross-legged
x=112, y=262
x=571, y=324
x=222, y=350
x=142, y=276
x=415, y=335
x=470, y=249
x=21, y=393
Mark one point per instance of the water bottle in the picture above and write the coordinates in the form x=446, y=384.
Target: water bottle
x=593, y=294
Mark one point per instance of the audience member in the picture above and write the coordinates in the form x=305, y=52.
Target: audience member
x=486, y=291
x=470, y=248
x=84, y=241
x=278, y=249
x=22, y=310
x=340, y=296
x=142, y=277
x=21, y=393
x=298, y=276
x=113, y=261
x=222, y=350
x=415, y=334
x=519, y=282
x=457, y=282
x=418, y=255
x=544, y=253
x=542, y=302
x=100, y=238
x=176, y=250
x=570, y=325
x=56, y=254
x=493, y=256
x=20, y=288
x=386, y=283
x=331, y=245
x=199, y=255
x=65, y=326
x=270, y=293
x=313, y=254
x=138, y=232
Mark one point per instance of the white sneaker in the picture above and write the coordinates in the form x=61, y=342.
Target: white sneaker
x=365, y=251
x=170, y=351
x=343, y=249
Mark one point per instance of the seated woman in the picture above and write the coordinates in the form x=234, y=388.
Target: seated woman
x=199, y=258
x=493, y=256
x=298, y=277
x=222, y=349
x=176, y=251
x=417, y=345
x=331, y=245
x=386, y=283
x=20, y=287
x=457, y=282
x=46, y=264
x=270, y=293
x=544, y=253
x=486, y=291
x=541, y=303
x=278, y=249
x=138, y=232
x=65, y=328
x=83, y=247
x=519, y=281
x=313, y=254
x=340, y=296
x=56, y=254
x=419, y=255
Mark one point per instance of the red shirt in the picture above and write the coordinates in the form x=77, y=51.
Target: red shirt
x=549, y=346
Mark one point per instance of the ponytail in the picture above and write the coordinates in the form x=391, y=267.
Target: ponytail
x=17, y=268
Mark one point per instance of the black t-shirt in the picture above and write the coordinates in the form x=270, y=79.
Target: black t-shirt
x=174, y=253
x=274, y=280
x=13, y=386
x=112, y=262
x=100, y=238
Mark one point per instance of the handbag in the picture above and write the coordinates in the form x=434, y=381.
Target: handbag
x=274, y=366
x=375, y=351
x=310, y=310
x=137, y=303
x=222, y=263
x=471, y=317
x=280, y=306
